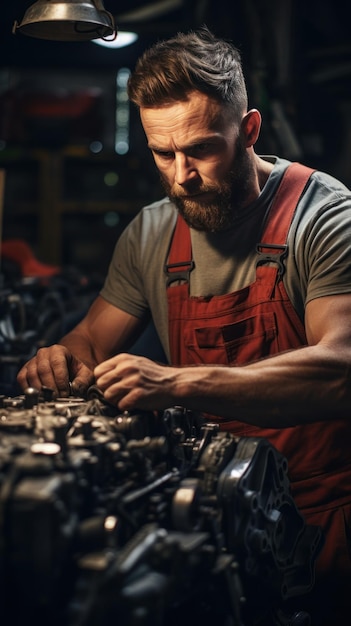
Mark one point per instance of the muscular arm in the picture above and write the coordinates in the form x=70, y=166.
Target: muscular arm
x=294, y=387
x=103, y=332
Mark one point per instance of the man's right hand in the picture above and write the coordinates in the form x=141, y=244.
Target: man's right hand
x=55, y=367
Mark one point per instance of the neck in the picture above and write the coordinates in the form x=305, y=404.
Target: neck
x=263, y=169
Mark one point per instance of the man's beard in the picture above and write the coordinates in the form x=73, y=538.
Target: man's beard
x=231, y=194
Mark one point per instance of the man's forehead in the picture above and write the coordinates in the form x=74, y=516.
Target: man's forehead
x=198, y=112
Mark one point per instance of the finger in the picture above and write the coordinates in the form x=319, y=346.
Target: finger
x=38, y=374
x=80, y=386
x=55, y=369
x=113, y=363
x=26, y=378
x=47, y=369
x=107, y=379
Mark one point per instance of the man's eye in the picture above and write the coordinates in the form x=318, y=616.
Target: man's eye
x=201, y=149
x=164, y=155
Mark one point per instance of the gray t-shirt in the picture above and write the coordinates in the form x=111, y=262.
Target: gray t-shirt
x=318, y=262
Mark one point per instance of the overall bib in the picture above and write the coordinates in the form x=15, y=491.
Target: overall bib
x=255, y=322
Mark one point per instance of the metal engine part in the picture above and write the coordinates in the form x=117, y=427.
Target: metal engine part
x=144, y=519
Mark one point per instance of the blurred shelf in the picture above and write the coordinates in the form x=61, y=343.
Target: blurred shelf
x=43, y=186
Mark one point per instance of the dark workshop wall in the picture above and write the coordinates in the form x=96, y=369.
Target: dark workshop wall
x=70, y=195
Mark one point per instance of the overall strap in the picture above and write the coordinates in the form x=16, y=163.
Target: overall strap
x=180, y=249
x=273, y=246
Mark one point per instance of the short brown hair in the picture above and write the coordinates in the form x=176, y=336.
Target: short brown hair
x=197, y=60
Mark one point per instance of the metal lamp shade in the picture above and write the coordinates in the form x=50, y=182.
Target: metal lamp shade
x=67, y=20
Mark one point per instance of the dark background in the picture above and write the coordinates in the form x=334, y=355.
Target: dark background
x=57, y=98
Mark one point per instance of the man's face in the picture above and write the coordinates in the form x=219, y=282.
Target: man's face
x=203, y=163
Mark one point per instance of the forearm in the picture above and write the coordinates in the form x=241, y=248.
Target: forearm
x=102, y=333
x=81, y=347
x=294, y=387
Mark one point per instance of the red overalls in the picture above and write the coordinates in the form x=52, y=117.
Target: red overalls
x=254, y=322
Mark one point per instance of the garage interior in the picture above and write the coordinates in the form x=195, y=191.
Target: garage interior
x=74, y=170
x=69, y=193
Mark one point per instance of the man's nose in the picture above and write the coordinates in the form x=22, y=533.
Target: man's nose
x=185, y=169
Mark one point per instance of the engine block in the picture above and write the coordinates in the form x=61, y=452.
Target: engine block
x=144, y=519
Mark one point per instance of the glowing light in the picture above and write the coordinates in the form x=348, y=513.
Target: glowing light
x=122, y=112
x=124, y=38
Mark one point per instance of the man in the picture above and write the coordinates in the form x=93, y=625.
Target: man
x=245, y=268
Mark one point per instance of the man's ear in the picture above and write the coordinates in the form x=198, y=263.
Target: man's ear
x=251, y=126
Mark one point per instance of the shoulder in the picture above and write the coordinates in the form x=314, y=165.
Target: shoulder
x=321, y=185
x=322, y=219
x=148, y=235
x=324, y=186
x=325, y=199
x=153, y=220
x=323, y=196
x=160, y=212
x=319, y=263
x=322, y=223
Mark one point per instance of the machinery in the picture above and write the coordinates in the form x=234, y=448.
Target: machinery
x=36, y=311
x=144, y=519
